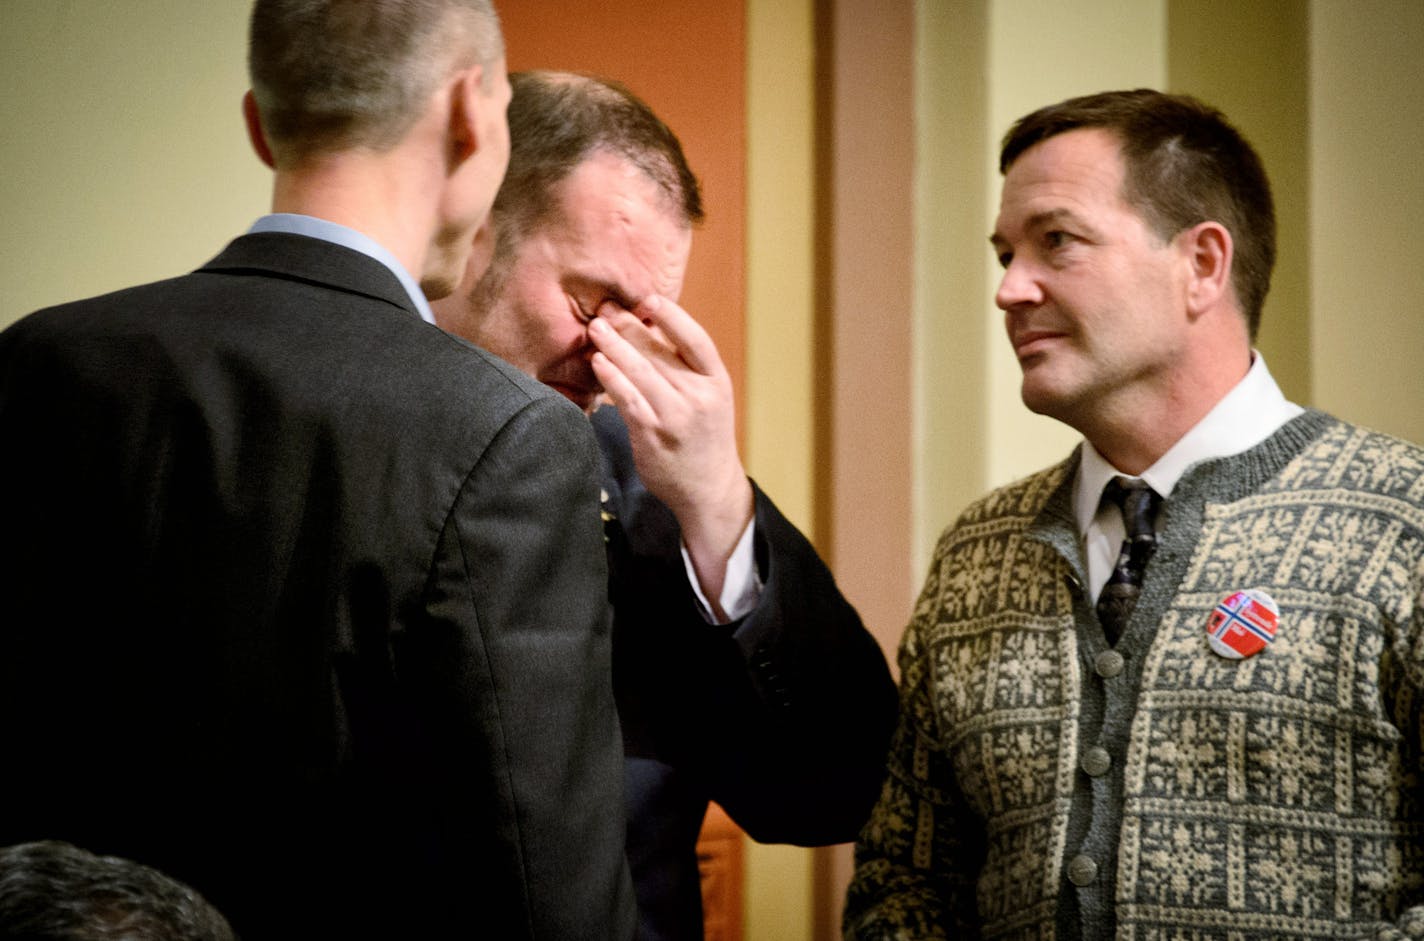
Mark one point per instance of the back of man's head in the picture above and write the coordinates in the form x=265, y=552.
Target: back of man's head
x=52, y=891
x=1184, y=164
x=556, y=121
x=332, y=75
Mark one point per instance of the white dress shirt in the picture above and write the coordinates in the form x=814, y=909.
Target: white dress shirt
x=1250, y=413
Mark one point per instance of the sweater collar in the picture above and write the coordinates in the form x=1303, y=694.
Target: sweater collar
x=1251, y=412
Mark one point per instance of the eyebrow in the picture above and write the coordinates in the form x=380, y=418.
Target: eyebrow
x=1040, y=220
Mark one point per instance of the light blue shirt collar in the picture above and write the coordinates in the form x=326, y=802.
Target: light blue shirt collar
x=328, y=231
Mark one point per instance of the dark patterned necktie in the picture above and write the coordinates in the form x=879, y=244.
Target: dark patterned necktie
x=1138, y=503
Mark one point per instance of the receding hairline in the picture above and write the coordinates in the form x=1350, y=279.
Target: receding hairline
x=647, y=142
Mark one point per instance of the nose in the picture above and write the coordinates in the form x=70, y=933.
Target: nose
x=1018, y=287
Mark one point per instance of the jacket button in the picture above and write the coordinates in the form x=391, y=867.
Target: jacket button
x=1082, y=870
x=1096, y=761
x=1109, y=664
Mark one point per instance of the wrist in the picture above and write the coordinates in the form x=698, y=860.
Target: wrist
x=712, y=527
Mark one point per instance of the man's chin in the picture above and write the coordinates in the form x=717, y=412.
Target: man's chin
x=1041, y=394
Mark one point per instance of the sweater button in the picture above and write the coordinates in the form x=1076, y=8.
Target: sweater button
x=1096, y=761
x=1109, y=664
x=1082, y=870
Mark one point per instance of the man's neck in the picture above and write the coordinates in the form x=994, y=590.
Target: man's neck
x=367, y=192
x=1135, y=434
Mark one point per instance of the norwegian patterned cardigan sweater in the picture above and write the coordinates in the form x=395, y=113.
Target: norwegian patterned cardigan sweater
x=1043, y=785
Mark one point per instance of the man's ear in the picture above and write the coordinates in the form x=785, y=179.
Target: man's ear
x=255, y=134
x=1208, y=249
x=481, y=255
x=465, y=114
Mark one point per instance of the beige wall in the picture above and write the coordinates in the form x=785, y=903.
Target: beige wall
x=1366, y=267
x=124, y=154
x=1251, y=59
x=780, y=389
x=950, y=413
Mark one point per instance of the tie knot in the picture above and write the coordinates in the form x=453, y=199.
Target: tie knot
x=1138, y=503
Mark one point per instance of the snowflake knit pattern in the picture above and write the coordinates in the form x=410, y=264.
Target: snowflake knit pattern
x=1278, y=796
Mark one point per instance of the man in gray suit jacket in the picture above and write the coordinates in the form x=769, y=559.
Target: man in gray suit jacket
x=303, y=600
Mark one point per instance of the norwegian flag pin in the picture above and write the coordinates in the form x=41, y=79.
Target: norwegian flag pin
x=1243, y=623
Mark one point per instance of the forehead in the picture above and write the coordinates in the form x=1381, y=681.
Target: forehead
x=1079, y=172
x=614, y=224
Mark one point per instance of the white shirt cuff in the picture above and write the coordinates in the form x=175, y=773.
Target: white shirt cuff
x=741, y=588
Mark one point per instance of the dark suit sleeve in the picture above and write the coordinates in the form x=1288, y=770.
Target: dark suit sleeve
x=784, y=717
x=517, y=654
x=813, y=749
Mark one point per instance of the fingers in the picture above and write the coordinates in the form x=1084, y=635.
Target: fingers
x=658, y=364
x=692, y=342
x=627, y=373
x=621, y=392
x=646, y=338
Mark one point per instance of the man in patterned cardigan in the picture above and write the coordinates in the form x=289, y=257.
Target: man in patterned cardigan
x=1047, y=781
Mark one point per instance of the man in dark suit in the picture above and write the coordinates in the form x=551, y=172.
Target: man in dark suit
x=742, y=674
x=302, y=598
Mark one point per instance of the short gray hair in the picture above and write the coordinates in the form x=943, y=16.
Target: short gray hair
x=332, y=75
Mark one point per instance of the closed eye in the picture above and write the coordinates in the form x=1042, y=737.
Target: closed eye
x=588, y=295
x=580, y=312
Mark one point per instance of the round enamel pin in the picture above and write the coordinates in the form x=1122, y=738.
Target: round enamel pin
x=1243, y=623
